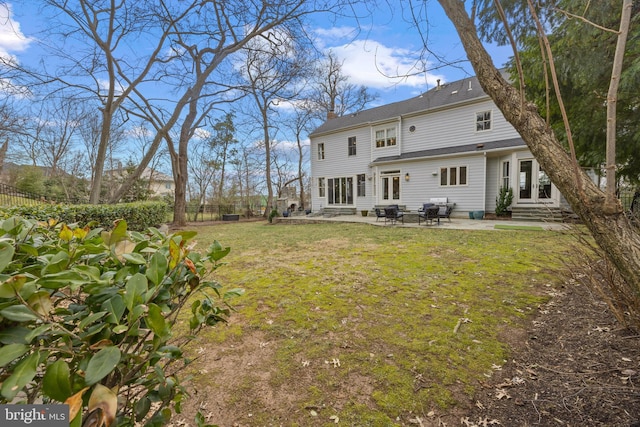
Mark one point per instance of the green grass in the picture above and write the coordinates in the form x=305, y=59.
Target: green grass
x=517, y=227
x=384, y=302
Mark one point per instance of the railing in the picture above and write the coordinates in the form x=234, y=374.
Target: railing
x=214, y=212
x=11, y=196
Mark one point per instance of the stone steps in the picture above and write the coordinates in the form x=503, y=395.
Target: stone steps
x=538, y=214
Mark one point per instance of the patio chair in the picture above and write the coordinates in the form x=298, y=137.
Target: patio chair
x=379, y=214
x=428, y=213
x=393, y=214
x=444, y=211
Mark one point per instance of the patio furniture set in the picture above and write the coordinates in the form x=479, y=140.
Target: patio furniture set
x=428, y=213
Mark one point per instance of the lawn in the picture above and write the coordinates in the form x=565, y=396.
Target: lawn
x=362, y=325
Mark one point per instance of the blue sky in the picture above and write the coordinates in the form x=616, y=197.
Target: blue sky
x=379, y=51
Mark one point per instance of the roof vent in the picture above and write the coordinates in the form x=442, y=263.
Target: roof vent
x=438, y=87
x=454, y=92
x=470, y=88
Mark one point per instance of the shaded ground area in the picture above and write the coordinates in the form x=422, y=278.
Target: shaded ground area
x=574, y=366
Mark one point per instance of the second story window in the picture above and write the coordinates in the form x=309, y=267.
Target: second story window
x=386, y=137
x=352, y=145
x=321, y=151
x=483, y=121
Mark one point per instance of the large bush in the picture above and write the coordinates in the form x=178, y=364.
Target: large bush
x=88, y=317
x=139, y=215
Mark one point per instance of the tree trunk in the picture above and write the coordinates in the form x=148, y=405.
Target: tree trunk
x=267, y=161
x=96, y=185
x=3, y=152
x=611, y=229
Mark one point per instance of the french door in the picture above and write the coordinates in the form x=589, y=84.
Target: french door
x=534, y=185
x=390, y=188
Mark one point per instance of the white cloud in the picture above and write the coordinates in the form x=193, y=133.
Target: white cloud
x=375, y=65
x=11, y=37
x=335, y=33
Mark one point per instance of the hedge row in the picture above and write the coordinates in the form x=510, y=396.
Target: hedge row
x=139, y=215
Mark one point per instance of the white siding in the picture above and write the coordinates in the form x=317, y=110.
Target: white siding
x=423, y=185
x=494, y=170
x=454, y=127
x=337, y=163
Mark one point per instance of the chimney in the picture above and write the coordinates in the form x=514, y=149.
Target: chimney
x=438, y=87
x=331, y=115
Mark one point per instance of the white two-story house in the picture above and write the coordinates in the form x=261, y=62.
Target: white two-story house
x=450, y=142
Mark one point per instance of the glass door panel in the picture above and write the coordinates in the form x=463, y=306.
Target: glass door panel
x=390, y=186
x=534, y=184
x=525, y=184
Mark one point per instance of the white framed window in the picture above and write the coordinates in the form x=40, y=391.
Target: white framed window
x=361, y=179
x=321, y=187
x=386, y=137
x=483, y=121
x=453, y=176
x=351, y=142
x=321, y=151
x=505, y=180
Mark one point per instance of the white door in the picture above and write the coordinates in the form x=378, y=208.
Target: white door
x=390, y=189
x=534, y=185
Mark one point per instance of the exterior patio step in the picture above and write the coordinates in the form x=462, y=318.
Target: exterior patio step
x=541, y=213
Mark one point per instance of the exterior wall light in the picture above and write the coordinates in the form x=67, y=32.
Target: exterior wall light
x=406, y=176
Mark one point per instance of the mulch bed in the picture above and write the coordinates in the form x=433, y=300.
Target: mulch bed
x=573, y=366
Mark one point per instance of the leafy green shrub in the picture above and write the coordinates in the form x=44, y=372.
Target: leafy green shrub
x=139, y=215
x=503, y=200
x=273, y=214
x=88, y=317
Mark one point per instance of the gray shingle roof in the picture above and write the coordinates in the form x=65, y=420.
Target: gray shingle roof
x=447, y=94
x=487, y=146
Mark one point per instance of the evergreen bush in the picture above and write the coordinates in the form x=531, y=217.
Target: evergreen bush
x=88, y=317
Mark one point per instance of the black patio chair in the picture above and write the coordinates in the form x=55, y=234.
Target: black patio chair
x=393, y=214
x=428, y=213
x=379, y=213
x=444, y=211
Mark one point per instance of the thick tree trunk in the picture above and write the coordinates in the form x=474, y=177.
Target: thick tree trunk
x=611, y=229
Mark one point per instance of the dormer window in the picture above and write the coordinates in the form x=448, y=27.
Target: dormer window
x=483, y=121
x=386, y=137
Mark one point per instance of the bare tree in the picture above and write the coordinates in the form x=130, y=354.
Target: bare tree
x=332, y=91
x=272, y=65
x=217, y=30
x=101, y=63
x=12, y=126
x=301, y=122
x=607, y=222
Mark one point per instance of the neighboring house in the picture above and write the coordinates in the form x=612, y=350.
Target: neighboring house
x=451, y=141
x=158, y=184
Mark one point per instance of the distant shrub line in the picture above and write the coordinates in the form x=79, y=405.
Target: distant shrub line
x=139, y=215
